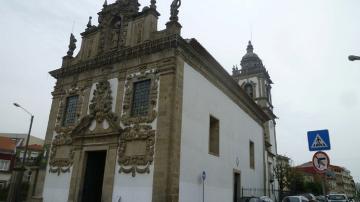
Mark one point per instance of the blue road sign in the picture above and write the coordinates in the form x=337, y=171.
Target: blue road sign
x=319, y=140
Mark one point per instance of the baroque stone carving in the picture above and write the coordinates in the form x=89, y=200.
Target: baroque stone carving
x=235, y=70
x=89, y=23
x=61, y=154
x=100, y=110
x=72, y=45
x=101, y=103
x=174, y=10
x=136, y=149
x=153, y=4
x=126, y=118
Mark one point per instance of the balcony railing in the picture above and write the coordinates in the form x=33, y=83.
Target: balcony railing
x=32, y=161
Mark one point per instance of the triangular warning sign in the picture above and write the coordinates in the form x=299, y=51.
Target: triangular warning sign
x=318, y=142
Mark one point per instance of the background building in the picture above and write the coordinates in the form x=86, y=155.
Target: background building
x=12, y=147
x=7, y=160
x=338, y=179
x=20, y=139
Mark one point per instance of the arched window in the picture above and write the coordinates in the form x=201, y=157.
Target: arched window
x=249, y=90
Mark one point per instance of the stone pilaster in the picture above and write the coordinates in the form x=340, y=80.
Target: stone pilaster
x=39, y=187
x=109, y=173
x=168, y=137
x=75, y=175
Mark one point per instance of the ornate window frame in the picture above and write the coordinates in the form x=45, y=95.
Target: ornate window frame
x=63, y=137
x=73, y=91
x=127, y=119
x=136, y=163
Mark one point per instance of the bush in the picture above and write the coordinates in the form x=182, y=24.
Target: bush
x=24, y=190
x=3, y=193
x=313, y=187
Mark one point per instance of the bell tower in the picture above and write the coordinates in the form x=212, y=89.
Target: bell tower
x=255, y=80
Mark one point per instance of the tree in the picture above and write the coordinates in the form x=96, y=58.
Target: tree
x=313, y=187
x=282, y=172
x=357, y=191
x=296, y=181
x=289, y=179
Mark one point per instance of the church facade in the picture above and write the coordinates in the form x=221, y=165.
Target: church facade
x=141, y=114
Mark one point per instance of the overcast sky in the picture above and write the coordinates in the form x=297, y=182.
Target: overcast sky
x=304, y=45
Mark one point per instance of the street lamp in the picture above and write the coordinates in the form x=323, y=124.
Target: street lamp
x=354, y=57
x=15, y=187
x=28, y=135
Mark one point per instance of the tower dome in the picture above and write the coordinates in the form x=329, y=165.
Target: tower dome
x=250, y=60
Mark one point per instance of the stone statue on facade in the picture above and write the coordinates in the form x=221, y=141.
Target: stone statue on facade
x=89, y=23
x=114, y=38
x=115, y=34
x=174, y=10
x=72, y=45
x=235, y=70
x=153, y=4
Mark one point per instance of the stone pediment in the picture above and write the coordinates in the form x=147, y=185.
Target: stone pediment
x=90, y=126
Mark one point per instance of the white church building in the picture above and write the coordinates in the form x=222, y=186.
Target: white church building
x=144, y=115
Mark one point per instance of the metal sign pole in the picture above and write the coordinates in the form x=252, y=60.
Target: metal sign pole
x=319, y=140
x=323, y=186
x=325, y=183
x=203, y=191
x=203, y=177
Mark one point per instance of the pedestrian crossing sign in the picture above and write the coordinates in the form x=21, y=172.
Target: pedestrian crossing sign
x=318, y=140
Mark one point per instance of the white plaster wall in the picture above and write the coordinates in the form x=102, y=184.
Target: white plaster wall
x=133, y=189
x=138, y=188
x=56, y=187
x=200, y=99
